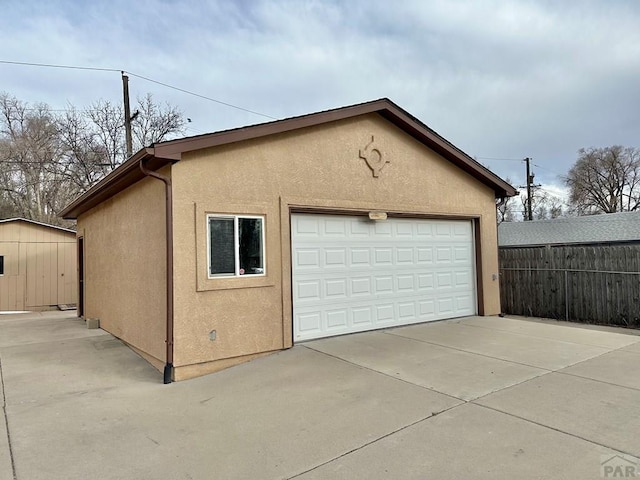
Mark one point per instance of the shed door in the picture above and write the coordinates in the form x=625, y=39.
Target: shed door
x=351, y=274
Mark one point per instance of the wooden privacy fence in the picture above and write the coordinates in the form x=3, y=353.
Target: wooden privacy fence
x=588, y=296
x=573, y=283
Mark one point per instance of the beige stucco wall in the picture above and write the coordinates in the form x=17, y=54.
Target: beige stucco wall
x=124, y=281
x=39, y=266
x=317, y=167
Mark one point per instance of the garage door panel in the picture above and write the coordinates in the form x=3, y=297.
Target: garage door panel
x=306, y=227
x=335, y=258
x=425, y=255
x=384, y=315
x=382, y=257
x=462, y=255
x=361, y=286
x=404, y=255
x=335, y=228
x=426, y=281
x=351, y=274
x=360, y=257
x=336, y=289
x=382, y=229
x=424, y=230
x=308, y=290
x=307, y=258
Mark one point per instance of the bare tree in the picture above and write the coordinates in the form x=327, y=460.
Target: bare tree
x=86, y=159
x=544, y=205
x=46, y=160
x=154, y=123
x=605, y=180
x=29, y=150
x=107, y=130
x=505, y=208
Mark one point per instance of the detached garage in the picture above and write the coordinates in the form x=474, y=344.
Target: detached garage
x=208, y=251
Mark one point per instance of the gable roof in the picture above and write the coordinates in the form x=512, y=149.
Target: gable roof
x=164, y=153
x=604, y=228
x=40, y=224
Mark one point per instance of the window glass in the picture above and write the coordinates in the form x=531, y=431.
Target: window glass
x=236, y=246
x=250, y=246
x=222, y=244
x=1, y=264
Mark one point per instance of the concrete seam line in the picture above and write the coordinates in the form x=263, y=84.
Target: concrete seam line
x=596, y=380
x=552, y=339
x=510, y=386
x=385, y=374
x=554, y=429
x=434, y=414
x=470, y=352
x=6, y=423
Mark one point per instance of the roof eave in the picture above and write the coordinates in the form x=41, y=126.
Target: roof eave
x=383, y=107
x=172, y=150
x=34, y=222
x=117, y=180
x=428, y=137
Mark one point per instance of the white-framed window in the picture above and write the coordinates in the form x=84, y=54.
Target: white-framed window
x=235, y=245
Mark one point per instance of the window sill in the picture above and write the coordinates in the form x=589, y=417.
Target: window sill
x=232, y=283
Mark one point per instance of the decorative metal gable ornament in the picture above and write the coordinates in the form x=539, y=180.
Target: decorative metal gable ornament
x=374, y=158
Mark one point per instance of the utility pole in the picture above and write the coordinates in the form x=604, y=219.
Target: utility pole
x=529, y=182
x=127, y=115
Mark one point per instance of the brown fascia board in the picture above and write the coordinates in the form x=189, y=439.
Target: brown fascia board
x=120, y=178
x=384, y=107
x=414, y=127
x=170, y=151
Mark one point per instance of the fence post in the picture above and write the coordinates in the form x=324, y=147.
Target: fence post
x=566, y=295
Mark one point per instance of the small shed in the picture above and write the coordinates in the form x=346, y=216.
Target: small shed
x=38, y=265
x=583, y=269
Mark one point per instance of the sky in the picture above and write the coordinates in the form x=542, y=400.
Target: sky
x=501, y=80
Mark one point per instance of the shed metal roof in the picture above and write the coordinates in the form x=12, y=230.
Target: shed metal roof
x=163, y=153
x=604, y=228
x=33, y=222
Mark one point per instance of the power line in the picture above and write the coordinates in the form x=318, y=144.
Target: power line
x=551, y=171
x=188, y=92
x=500, y=159
x=201, y=96
x=51, y=65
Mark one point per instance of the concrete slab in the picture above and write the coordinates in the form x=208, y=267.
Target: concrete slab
x=460, y=374
x=635, y=348
x=43, y=327
x=470, y=442
x=559, y=331
x=603, y=413
x=6, y=469
x=618, y=367
x=270, y=418
x=524, y=349
x=38, y=372
x=82, y=405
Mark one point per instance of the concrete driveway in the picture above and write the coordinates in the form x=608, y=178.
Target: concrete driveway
x=494, y=398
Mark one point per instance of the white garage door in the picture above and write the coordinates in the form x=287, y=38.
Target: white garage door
x=351, y=274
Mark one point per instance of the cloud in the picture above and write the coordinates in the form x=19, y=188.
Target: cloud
x=499, y=79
